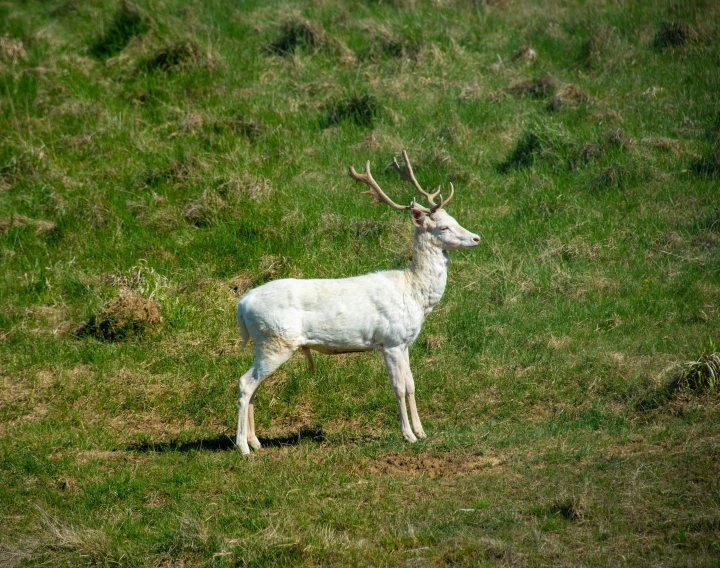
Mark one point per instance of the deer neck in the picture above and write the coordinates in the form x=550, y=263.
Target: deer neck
x=427, y=273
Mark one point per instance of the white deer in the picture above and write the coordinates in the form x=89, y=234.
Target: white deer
x=381, y=311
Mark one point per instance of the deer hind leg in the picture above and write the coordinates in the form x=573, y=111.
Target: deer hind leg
x=251, y=437
x=396, y=366
x=265, y=363
x=410, y=394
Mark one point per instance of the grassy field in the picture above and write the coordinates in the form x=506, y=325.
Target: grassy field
x=157, y=160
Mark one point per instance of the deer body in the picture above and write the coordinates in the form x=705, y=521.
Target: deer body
x=381, y=311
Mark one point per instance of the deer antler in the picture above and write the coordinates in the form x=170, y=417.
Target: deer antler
x=378, y=194
x=408, y=175
x=445, y=202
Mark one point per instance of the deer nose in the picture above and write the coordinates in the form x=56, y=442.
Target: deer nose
x=476, y=239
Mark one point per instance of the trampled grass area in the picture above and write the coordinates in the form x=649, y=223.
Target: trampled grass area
x=158, y=160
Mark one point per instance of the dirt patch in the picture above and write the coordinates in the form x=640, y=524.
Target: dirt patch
x=431, y=465
x=129, y=315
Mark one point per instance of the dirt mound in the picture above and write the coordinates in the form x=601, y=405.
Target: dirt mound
x=129, y=315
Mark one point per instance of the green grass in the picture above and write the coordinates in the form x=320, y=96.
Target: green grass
x=180, y=153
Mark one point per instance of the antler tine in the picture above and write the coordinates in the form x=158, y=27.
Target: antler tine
x=408, y=175
x=375, y=191
x=435, y=194
x=445, y=202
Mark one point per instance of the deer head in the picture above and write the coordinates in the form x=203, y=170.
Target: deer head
x=444, y=231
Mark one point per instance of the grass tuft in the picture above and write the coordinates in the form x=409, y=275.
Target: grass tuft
x=612, y=176
x=248, y=126
x=362, y=109
x=12, y=50
x=708, y=165
x=295, y=34
x=176, y=55
x=204, y=212
x=568, y=96
x=386, y=45
x=696, y=376
x=129, y=315
x=596, y=48
x=702, y=374
x=569, y=507
x=538, y=88
x=127, y=23
x=617, y=138
x=674, y=34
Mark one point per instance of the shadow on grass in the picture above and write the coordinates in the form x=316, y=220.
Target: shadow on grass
x=696, y=376
x=225, y=443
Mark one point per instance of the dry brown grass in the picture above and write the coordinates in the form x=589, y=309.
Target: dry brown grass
x=538, y=88
x=597, y=47
x=430, y=465
x=129, y=315
x=20, y=221
x=568, y=96
x=12, y=50
x=247, y=186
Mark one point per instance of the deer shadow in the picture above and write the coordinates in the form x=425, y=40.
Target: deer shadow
x=224, y=443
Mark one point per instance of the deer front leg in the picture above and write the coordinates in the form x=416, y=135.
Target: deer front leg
x=410, y=394
x=398, y=370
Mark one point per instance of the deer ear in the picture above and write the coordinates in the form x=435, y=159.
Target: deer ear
x=418, y=217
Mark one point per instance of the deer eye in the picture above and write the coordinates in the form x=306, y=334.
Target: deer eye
x=444, y=228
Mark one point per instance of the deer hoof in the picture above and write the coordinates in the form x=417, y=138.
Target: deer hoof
x=254, y=443
x=410, y=437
